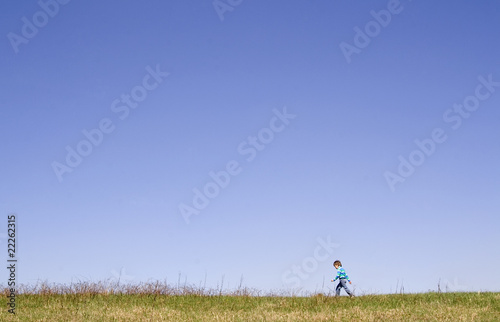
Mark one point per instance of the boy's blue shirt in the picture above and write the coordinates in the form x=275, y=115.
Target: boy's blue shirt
x=341, y=274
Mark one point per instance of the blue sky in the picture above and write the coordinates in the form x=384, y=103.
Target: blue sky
x=178, y=90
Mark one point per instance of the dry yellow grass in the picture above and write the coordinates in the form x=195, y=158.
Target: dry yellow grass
x=165, y=305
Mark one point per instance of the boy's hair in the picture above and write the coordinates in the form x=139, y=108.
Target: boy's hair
x=337, y=262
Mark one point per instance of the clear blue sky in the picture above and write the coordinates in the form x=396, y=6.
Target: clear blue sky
x=361, y=93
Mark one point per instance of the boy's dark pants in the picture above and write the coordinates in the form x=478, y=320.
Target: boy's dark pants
x=342, y=284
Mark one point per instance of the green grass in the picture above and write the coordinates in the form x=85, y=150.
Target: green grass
x=159, y=302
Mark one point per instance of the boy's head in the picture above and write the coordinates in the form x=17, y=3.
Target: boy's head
x=337, y=264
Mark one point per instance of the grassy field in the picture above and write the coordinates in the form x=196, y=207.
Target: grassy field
x=156, y=303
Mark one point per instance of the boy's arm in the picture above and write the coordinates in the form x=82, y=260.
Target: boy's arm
x=348, y=279
x=337, y=277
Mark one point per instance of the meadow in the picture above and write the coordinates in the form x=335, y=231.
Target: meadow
x=157, y=301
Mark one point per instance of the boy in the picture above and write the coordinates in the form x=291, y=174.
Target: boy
x=343, y=279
